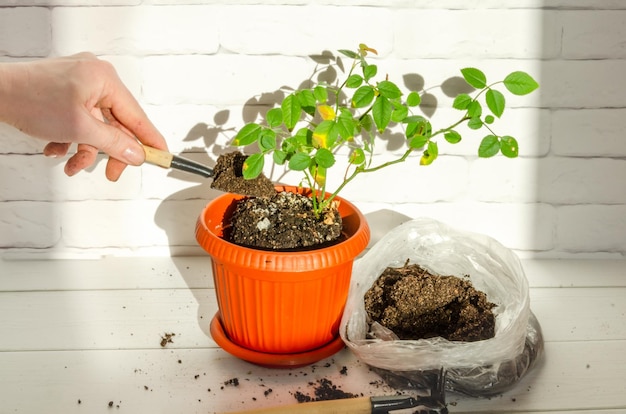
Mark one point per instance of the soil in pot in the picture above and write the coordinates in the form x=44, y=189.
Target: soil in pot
x=416, y=304
x=284, y=221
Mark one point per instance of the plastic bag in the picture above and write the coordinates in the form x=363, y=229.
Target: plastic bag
x=474, y=368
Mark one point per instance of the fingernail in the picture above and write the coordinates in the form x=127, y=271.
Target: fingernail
x=133, y=155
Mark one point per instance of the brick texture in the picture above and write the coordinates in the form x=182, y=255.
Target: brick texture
x=204, y=68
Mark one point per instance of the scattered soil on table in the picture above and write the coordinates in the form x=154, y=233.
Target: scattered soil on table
x=416, y=304
x=324, y=390
x=167, y=339
x=228, y=177
x=284, y=221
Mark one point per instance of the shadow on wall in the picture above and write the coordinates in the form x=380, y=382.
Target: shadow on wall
x=205, y=136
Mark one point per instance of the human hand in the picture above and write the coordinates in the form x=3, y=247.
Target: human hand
x=77, y=99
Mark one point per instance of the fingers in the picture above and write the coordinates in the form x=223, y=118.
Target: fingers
x=85, y=156
x=114, y=169
x=129, y=114
x=56, y=149
x=113, y=139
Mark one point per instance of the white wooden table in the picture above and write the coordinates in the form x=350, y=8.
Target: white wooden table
x=84, y=336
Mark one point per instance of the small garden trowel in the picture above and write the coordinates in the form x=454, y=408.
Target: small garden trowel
x=434, y=402
x=360, y=405
x=226, y=176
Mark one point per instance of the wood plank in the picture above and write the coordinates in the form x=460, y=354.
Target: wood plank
x=580, y=314
x=573, y=376
x=135, y=319
x=575, y=273
x=106, y=273
x=195, y=272
x=107, y=319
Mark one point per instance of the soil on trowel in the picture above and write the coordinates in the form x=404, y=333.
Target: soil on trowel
x=284, y=221
x=416, y=304
x=228, y=177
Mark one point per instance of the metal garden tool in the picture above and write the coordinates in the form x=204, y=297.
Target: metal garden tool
x=431, y=404
x=167, y=160
x=227, y=175
x=361, y=405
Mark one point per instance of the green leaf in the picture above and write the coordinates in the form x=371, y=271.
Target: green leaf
x=474, y=77
x=419, y=126
x=389, y=90
x=345, y=127
x=509, y=147
x=475, y=123
x=267, y=140
x=303, y=136
x=307, y=101
x=462, y=101
x=324, y=158
x=320, y=93
x=381, y=112
x=247, y=135
x=291, y=111
x=274, y=117
x=357, y=156
x=300, y=161
x=369, y=71
x=363, y=96
x=399, y=113
x=252, y=166
x=414, y=119
x=474, y=109
x=354, y=81
x=452, y=137
x=367, y=123
x=495, y=101
x=520, y=83
x=489, y=146
x=489, y=119
x=279, y=157
x=349, y=53
x=414, y=99
x=418, y=141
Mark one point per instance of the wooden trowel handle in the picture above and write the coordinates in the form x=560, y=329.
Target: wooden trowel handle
x=166, y=160
x=158, y=157
x=361, y=405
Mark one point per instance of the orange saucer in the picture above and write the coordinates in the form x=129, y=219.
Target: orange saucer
x=272, y=360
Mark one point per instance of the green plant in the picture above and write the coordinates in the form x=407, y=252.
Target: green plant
x=331, y=120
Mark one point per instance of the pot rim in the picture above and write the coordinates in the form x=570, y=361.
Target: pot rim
x=209, y=236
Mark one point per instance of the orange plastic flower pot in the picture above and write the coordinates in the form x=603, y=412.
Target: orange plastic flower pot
x=280, y=302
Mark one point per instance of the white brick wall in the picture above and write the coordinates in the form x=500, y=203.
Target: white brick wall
x=200, y=68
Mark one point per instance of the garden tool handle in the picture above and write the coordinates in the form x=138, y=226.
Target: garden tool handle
x=360, y=405
x=167, y=160
x=158, y=157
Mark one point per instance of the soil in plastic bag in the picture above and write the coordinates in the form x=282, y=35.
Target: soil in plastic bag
x=478, y=368
x=416, y=304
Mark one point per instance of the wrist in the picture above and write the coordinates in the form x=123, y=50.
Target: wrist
x=8, y=85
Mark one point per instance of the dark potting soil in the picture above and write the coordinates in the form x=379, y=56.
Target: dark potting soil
x=416, y=304
x=228, y=177
x=284, y=221
x=324, y=390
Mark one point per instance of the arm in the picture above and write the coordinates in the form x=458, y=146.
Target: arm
x=77, y=99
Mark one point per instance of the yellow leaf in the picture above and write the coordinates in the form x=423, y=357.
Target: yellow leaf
x=364, y=49
x=319, y=139
x=320, y=134
x=326, y=112
x=320, y=176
